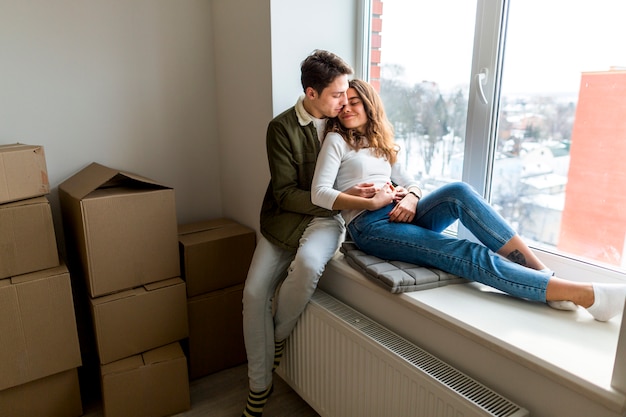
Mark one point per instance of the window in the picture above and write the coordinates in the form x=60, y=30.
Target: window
x=523, y=99
x=425, y=89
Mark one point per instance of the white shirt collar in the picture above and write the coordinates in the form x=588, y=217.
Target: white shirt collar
x=304, y=118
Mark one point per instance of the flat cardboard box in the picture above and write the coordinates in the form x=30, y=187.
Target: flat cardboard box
x=27, y=238
x=215, y=254
x=140, y=319
x=151, y=384
x=38, y=334
x=56, y=395
x=23, y=172
x=215, y=331
x=121, y=229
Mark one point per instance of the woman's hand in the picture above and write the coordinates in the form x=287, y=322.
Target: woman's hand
x=405, y=209
x=401, y=192
x=383, y=197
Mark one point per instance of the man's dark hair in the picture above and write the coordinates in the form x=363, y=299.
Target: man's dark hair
x=320, y=69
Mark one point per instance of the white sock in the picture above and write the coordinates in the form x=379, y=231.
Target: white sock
x=563, y=305
x=609, y=301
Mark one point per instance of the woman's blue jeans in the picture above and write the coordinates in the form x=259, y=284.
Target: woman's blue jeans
x=422, y=242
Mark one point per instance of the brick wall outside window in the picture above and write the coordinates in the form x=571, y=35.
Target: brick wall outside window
x=377, y=26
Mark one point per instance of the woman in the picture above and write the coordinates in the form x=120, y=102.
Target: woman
x=398, y=223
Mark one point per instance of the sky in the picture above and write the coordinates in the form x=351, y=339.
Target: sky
x=549, y=42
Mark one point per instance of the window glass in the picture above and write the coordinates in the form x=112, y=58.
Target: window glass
x=421, y=57
x=560, y=161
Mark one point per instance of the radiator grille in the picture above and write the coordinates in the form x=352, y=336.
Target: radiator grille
x=307, y=349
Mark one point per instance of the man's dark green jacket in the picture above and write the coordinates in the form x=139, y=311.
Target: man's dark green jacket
x=292, y=149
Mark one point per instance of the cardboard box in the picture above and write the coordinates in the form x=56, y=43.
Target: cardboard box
x=23, y=172
x=152, y=384
x=215, y=331
x=215, y=254
x=27, y=238
x=140, y=319
x=56, y=395
x=38, y=334
x=121, y=229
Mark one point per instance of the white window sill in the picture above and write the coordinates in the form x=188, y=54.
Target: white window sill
x=570, y=348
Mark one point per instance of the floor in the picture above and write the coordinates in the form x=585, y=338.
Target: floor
x=224, y=394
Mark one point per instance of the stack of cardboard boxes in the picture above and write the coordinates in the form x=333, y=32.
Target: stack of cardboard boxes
x=39, y=347
x=215, y=257
x=121, y=235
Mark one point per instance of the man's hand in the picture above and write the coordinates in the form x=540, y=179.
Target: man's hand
x=365, y=189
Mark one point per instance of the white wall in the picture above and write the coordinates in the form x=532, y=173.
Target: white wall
x=126, y=83
x=177, y=91
x=242, y=57
x=297, y=29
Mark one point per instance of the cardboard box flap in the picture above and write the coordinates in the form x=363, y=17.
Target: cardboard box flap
x=133, y=292
x=163, y=354
x=10, y=147
x=185, y=229
x=96, y=176
x=116, y=296
x=26, y=202
x=162, y=284
x=204, y=236
x=45, y=273
x=122, y=365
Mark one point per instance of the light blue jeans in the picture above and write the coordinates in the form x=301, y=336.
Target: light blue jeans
x=301, y=271
x=423, y=243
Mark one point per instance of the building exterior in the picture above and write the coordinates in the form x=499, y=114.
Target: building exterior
x=594, y=217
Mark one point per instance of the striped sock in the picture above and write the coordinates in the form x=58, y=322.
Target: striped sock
x=279, y=349
x=256, y=402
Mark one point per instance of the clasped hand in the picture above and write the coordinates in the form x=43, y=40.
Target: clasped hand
x=405, y=208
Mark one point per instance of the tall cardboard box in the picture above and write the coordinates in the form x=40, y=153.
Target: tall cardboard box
x=151, y=384
x=56, y=395
x=23, y=172
x=121, y=226
x=38, y=334
x=140, y=319
x=27, y=238
x=215, y=254
x=215, y=331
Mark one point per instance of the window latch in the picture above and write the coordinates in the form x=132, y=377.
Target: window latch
x=481, y=81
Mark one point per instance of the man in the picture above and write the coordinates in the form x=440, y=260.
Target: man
x=298, y=238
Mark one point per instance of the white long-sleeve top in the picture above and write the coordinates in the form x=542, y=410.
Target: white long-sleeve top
x=340, y=167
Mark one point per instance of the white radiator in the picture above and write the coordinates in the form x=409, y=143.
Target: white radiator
x=346, y=365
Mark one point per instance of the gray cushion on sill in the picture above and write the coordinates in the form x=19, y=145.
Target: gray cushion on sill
x=396, y=276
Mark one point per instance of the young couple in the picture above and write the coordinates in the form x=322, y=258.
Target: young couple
x=345, y=121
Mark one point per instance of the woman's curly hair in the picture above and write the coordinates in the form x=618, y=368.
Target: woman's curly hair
x=378, y=131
